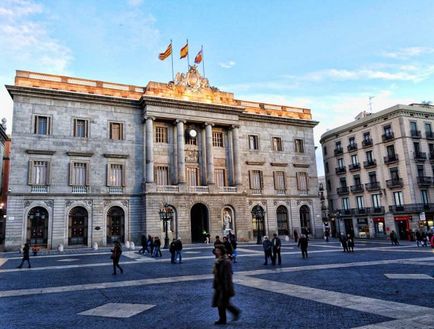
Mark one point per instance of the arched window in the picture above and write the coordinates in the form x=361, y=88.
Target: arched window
x=282, y=220
x=305, y=220
x=77, y=230
x=115, y=225
x=37, y=226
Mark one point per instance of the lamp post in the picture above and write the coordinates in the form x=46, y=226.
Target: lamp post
x=166, y=215
x=258, y=214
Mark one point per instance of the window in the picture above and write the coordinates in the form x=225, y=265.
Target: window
x=390, y=151
x=161, y=135
x=354, y=159
x=413, y=126
x=357, y=181
x=428, y=128
x=338, y=144
x=299, y=146
x=217, y=139
x=376, y=200
x=397, y=197
x=420, y=171
x=424, y=195
x=115, y=175
x=116, y=131
x=161, y=175
x=277, y=144
x=302, y=181
x=39, y=173
x=340, y=162
x=327, y=167
x=394, y=175
x=329, y=185
x=369, y=157
x=192, y=176
x=190, y=140
x=324, y=150
x=372, y=177
x=352, y=141
x=81, y=128
x=360, y=202
x=345, y=203
x=331, y=205
x=367, y=136
x=279, y=180
x=256, y=179
x=79, y=174
x=253, y=142
x=431, y=148
x=343, y=182
x=220, y=177
x=388, y=130
x=42, y=125
x=416, y=148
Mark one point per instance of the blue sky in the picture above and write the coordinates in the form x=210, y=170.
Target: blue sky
x=327, y=55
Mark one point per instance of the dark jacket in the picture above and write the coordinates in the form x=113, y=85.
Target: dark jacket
x=303, y=243
x=267, y=245
x=276, y=243
x=178, y=245
x=223, y=285
x=144, y=241
x=116, y=252
x=228, y=247
x=172, y=247
x=26, y=251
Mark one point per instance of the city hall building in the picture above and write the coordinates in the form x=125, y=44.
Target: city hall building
x=94, y=161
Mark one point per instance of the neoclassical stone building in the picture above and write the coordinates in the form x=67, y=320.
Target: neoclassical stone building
x=94, y=161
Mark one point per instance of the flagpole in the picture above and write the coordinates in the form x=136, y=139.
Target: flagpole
x=203, y=62
x=171, y=56
x=188, y=57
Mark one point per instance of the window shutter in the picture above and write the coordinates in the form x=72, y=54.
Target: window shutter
x=250, y=178
x=30, y=173
x=48, y=174
x=274, y=180
x=71, y=173
x=261, y=180
x=48, y=125
x=107, y=174
x=124, y=176
x=297, y=176
x=86, y=128
x=87, y=174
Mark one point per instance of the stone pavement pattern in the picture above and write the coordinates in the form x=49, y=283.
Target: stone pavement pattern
x=376, y=287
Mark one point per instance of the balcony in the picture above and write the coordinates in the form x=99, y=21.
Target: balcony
x=357, y=188
x=168, y=188
x=280, y=192
x=376, y=210
x=354, y=167
x=198, y=189
x=255, y=191
x=420, y=156
x=228, y=189
x=341, y=170
x=116, y=189
x=345, y=212
x=373, y=186
x=352, y=147
x=429, y=135
x=424, y=181
x=370, y=164
x=412, y=208
x=415, y=134
x=388, y=136
x=344, y=190
x=394, y=183
x=39, y=189
x=361, y=211
x=389, y=159
x=339, y=150
x=79, y=189
x=367, y=142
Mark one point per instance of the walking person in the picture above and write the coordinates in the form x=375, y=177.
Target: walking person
x=116, y=255
x=157, y=247
x=172, y=250
x=276, y=243
x=327, y=235
x=26, y=256
x=233, y=241
x=150, y=245
x=394, y=238
x=223, y=286
x=418, y=238
x=350, y=243
x=267, y=246
x=302, y=244
x=178, y=249
x=228, y=247
x=295, y=236
x=144, y=243
x=344, y=243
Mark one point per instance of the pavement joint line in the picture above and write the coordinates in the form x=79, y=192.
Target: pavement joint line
x=380, y=307
x=175, y=279
x=418, y=322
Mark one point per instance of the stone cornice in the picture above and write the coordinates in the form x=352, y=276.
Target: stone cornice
x=116, y=156
x=80, y=154
x=279, y=164
x=282, y=120
x=40, y=152
x=255, y=163
x=301, y=165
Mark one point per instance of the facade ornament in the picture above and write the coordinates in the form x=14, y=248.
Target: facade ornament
x=106, y=203
x=192, y=79
x=27, y=203
x=68, y=203
x=49, y=203
x=124, y=203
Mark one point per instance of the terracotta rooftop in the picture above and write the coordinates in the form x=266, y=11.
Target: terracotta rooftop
x=155, y=89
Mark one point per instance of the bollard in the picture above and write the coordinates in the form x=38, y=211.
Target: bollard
x=127, y=244
x=95, y=246
x=60, y=248
x=132, y=245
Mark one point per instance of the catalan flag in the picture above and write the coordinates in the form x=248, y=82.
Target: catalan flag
x=166, y=53
x=198, y=57
x=184, y=51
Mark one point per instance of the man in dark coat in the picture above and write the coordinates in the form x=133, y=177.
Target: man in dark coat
x=302, y=244
x=178, y=249
x=295, y=236
x=223, y=286
x=26, y=256
x=344, y=242
x=276, y=250
x=266, y=244
x=116, y=256
x=172, y=250
x=144, y=243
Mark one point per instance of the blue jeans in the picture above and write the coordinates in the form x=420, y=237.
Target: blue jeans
x=178, y=255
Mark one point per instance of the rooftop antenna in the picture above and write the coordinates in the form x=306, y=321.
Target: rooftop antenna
x=370, y=103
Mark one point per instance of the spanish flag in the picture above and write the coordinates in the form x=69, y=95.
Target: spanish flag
x=184, y=51
x=198, y=57
x=167, y=53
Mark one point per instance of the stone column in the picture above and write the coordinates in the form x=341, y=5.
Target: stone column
x=149, y=149
x=180, y=132
x=209, y=155
x=230, y=153
x=236, y=156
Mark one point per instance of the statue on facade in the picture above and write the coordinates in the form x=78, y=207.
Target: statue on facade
x=227, y=221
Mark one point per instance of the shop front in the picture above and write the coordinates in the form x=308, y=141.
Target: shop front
x=363, y=228
x=402, y=224
x=379, y=227
x=426, y=221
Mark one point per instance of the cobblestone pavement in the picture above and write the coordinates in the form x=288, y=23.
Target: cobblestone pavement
x=374, y=287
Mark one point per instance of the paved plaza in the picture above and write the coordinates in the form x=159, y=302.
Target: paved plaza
x=378, y=286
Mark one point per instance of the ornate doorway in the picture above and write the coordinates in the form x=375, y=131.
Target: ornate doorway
x=282, y=221
x=77, y=230
x=305, y=224
x=115, y=225
x=199, y=222
x=37, y=226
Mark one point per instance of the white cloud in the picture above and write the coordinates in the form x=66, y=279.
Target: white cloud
x=406, y=53
x=135, y=3
x=227, y=65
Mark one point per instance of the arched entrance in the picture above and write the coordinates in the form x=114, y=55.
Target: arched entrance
x=199, y=222
x=258, y=223
x=115, y=225
x=282, y=221
x=305, y=220
x=37, y=226
x=77, y=229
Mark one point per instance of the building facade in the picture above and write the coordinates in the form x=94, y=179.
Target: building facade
x=379, y=172
x=94, y=161
x=4, y=178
